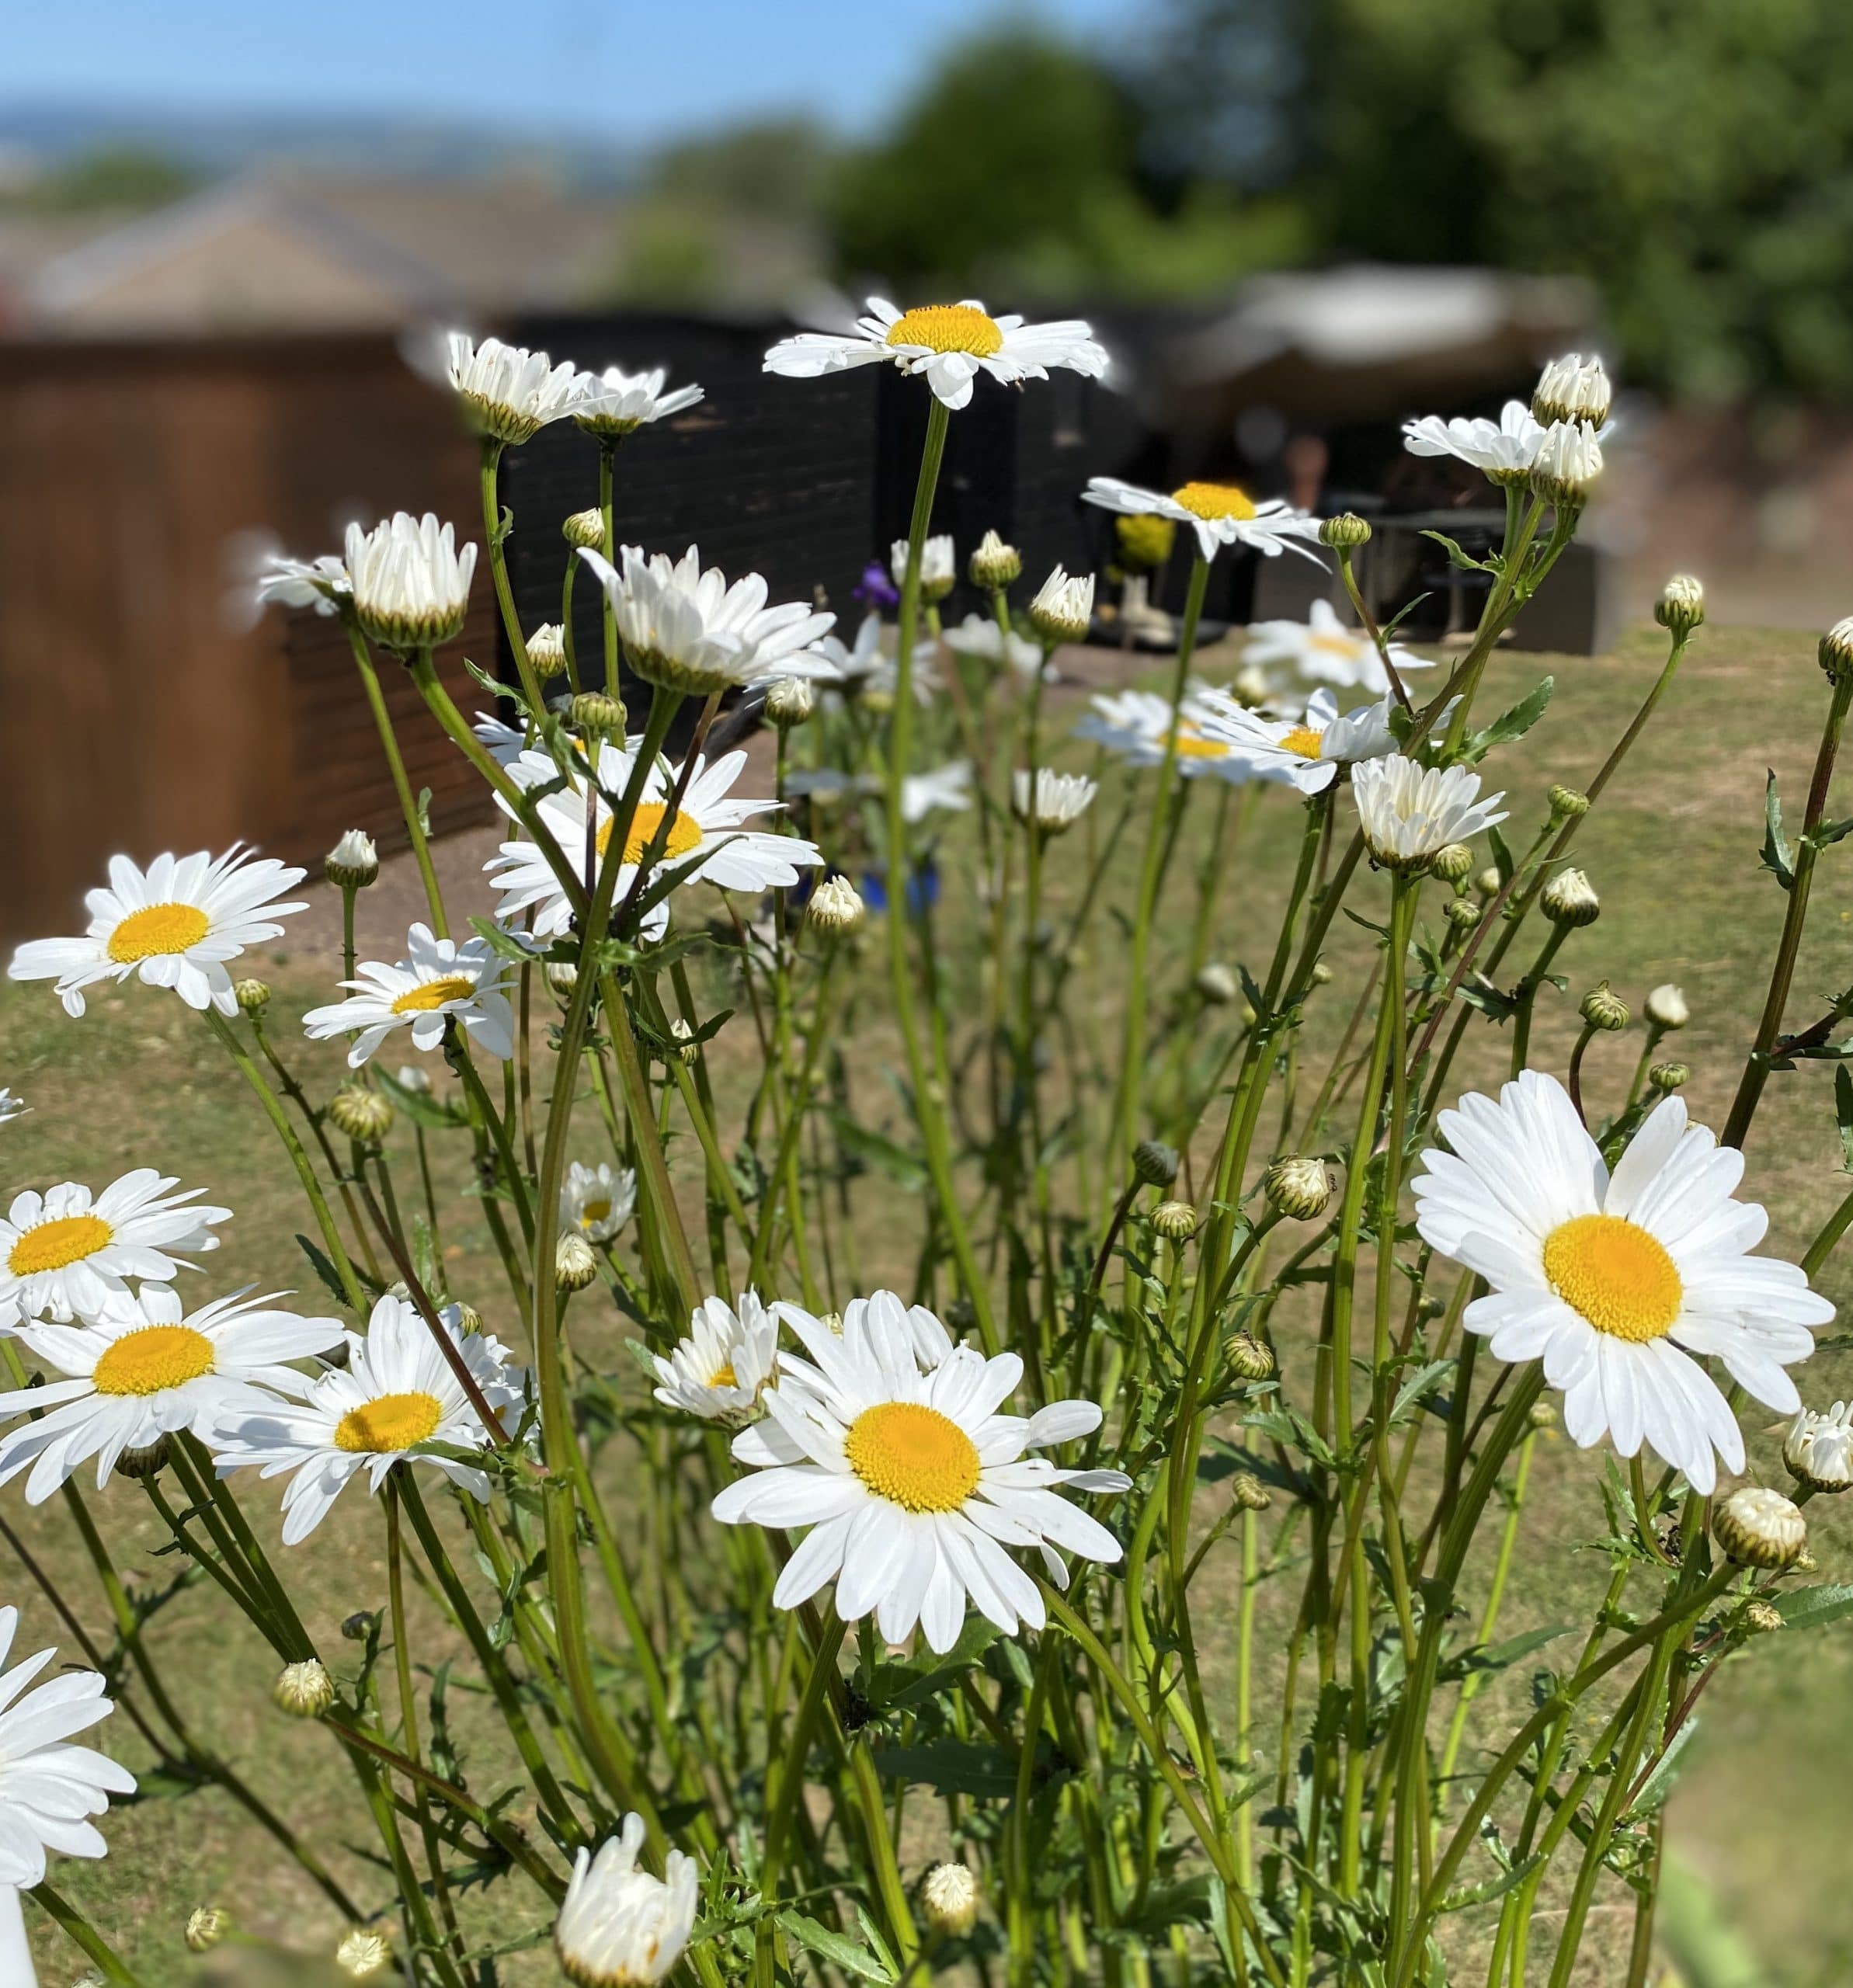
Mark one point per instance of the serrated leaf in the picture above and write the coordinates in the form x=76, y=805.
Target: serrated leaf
x=1458, y=557
x=326, y=1271
x=839, y=1951
x=1512, y=724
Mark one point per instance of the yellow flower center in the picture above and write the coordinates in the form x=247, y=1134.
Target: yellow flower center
x=389, y=1422
x=434, y=994
x=1214, y=500
x=158, y=1357
x=683, y=837
x=594, y=1212
x=157, y=929
x=1192, y=744
x=1330, y=644
x=913, y=1456
x=724, y=1377
x=52, y=1244
x=949, y=327
x=1304, y=739
x=1616, y=1276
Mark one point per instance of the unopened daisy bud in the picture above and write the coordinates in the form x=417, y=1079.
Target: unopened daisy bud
x=1572, y=388
x=1321, y=975
x=408, y=1076
x=359, y=1626
x=143, y=1461
x=1542, y=1415
x=547, y=649
x=836, y=906
x=1667, y=1078
x=1566, y=803
x=206, y=1926
x=1249, y=1360
x=253, y=996
x=1054, y=802
x=939, y=568
x=1251, y=687
x=1804, y=1562
x=584, y=531
x=363, y=1954
x=1251, y=1494
x=1604, y=1009
x=597, y=714
x=353, y=862
x=1453, y=863
x=575, y=1266
x=1063, y=609
x=1680, y=607
x=304, y=1690
x=1819, y=1448
x=1155, y=1163
x=469, y=1320
x=1299, y=1188
x=619, y=1927
x=1837, y=649
x=1665, y=1006
x=1488, y=883
x=950, y=1898
x=1175, y=1220
x=362, y=1113
x=1567, y=463
x=1216, y=985
x=1462, y=913
x=1759, y=1527
x=562, y=977
x=995, y=566
x=790, y=701
x=1344, y=532
x=687, y=1050
x=1761, y=1617
x=1569, y=899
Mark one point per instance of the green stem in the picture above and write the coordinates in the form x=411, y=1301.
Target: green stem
x=401, y=783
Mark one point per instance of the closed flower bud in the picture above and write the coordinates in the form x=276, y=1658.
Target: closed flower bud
x=597, y=714
x=1837, y=649
x=575, y=1266
x=1819, y=1448
x=1667, y=1078
x=304, y=1690
x=687, y=1050
x=1542, y=1415
x=143, y=1461
x=1217, y=984
x=1063, y=609
x=790, y=701
x=1567, y=463
x=562, y=977
x=1249, y=1360
x=469, y=1320
x=362, y=1113
x=1604, y=1009
x=1300, y=1188
x=1344, y=532
x=1488, y=883
x=1175, y=1220
x=1462, y=913
x=408, y=1076
x=1569, y=899
x=359, y=1626
x=1759, y=1527
x=1251, y=1494
x=353, y=862
x=1453, y=863
x=1572, y=388
x=995, y=566
x=1321, y=975
x=1760, y=1617
x=547, y=649
x=836, y=906
x=1567, y=804
x=1251, y=687
x=1680, y=607
x=1155, y=1163
x=253, y=996
x=1666, y=1007
x=362, y=1955
x=205, y=1927
x=950, y=1898
x=584, y=531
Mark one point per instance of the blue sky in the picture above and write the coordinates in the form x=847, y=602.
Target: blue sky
x=624, y=70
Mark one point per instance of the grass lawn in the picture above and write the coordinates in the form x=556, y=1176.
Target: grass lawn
x=1673, y=852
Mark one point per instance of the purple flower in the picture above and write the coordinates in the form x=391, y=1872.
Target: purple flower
x=875, y=589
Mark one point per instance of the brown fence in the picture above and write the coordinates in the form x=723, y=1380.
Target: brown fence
x=138, y=711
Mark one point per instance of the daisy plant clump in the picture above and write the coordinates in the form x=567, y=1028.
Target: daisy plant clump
x=945, y=1305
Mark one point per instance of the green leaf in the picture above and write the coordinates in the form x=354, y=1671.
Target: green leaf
x=1659, y=1784
x=1458, y=558
x=505, y=944
x=895, y=1161
x=1500, y=1656
x=1810, y=1607
x=424, y=809
x=894, y=1686
x=1778, y=858
x=330, y=1277
x=840, y=1952
x=1510, y=724
x=1830, y=832
x=1843, y=1112
x=950, y=1766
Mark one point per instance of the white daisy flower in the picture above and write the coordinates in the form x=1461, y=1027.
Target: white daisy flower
x=978, y=635
x=597, y=1201
x=1060, y=799
x=1819, y=1448
x=1136, y=723
x=509, y=392
x=614, y=403
x=1063, y=610
x=911, y=1483
x=1408, y=811
x=1502, y=450
x=1322, y=650
x=685, y=628
x=1568, y=461
x=1219, y=514
x=718, y=1370
x=939, y=565
x=67, y=1253
x=322, y=584
x=705, y=843
x=951, y=343
x=141, y=1369
x=411, y=585
x=11, y=1106
x=1616, y=1282
x=174, y=924
x=1305, y=752
x=48, y=1788
x=438, y=982
x=948, y=787
x=1572, y=388
x=397, y=1393
x=620, y=1928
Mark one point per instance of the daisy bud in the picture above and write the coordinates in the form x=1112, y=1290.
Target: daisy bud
x=1759, y=1527
x=618, y=1923
x=359, y=1626
x=1063, y=609
x=362, y=1113
x=1542, y=1415
x=1804, y=1562
x=1144, y=540
x=836, y=906
x=1462, y=913
x=1759, y=1618
x=1604, y=1009
x=1566, y=803
x=1837, y=649
x=596, y=715
x=561, y=978
x=1217, y=985
x=1488, y=883
x=144, y=1460
x=585, y=530
x=1666, y=1007
x=469, y=1320
x=361, y=1954
x=1680, y=607
x=950, y=1896
x=1297, y=1187
x=353, y=862
x=575, y=1266
x=304, y=1690
x=1819, y=1448
x=547, y=649
x=1251, y=687
x=1321, y=974
x=408, y=1076
x=939, y=568
x=1569, y=899
x=1155, y=1163
x=205, y=1927
x=252, y=996
x=687, y=1051
x=1251, y=1494
x=790, y=701
x=1453, y=863
x=1175, y=1220
x=1667, y=1078
x=1060, y=800
x=411, y=585
x=995, y=566
x=1568, y=461
x=1249, y=1360
x=1344, y=532
x=1572, y=388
